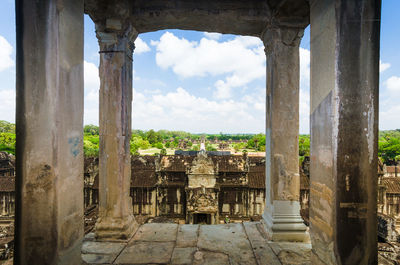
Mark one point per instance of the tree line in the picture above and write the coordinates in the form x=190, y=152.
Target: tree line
x=389, y=141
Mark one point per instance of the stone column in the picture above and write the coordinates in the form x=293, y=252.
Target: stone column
x=344, y=130
x=49, y=128
x=282, y=212
x=116, y=221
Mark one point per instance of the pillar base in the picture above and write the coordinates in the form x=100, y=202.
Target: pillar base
x=282, y=222
x=115, y=229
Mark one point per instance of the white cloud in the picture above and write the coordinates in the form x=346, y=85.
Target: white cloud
x=393, y=83
x=92, y=86
x=7, y=106
x=389, y=118
x=241, y=58
x=212, y=35
x=5, y=54
x=304, y=105
x=141, y=46
x=383, y=66
x=180, y=110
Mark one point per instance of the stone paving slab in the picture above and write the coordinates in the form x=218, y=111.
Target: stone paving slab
x=156, y=232
x=183, y=255
x=229, y=239
x=91, y=259
x=292, y=253
x=92, y=247
x=210, y=258
x=261, y=249
x=227, y=244
x=187, y=235
x=146, y=253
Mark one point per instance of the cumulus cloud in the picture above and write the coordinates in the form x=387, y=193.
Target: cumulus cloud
x=92, y=86
x=304, y=105
x=383, y=66
x=213, y=35
x=181, y=110
x=389, y=104
x=7, y=106
x=141, y=46
x=393, y=83
x=5, y=54
x=242, y=59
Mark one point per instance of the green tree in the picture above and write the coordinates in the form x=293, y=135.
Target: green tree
x=163, y=151
x=7, y=127
x=7, y=142
x=91, y=130
x=158, y=145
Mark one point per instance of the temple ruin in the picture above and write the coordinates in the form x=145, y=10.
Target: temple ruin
x=344, y=44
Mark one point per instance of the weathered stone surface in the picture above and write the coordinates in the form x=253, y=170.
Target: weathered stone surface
x=211, y=258
x=218, y=244
x=156, y=232
x=292, y=253
x=187, y=235
x=116, y=219
x=229, y=239
x=146, y=252
x=102, y=247
x=183, y=255
x=344, y=130
x=98, y=258
x=234, y=17
x=49, y=153
x=282, y=213
x=262, y=251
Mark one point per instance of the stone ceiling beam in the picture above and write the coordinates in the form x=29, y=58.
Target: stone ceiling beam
x=234, y=17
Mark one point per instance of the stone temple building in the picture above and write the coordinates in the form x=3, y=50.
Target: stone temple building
x=7, y=185
x=199, y=189
x=344, y=78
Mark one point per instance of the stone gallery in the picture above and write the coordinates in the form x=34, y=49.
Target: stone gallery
x=344, y=44
x=192, y=189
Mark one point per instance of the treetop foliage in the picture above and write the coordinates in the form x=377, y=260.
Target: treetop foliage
x=389, y=141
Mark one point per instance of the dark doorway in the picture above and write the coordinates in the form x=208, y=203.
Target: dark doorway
x=201, y=218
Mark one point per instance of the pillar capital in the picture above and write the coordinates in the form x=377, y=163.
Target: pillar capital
x=274, y=36
x=115, y=35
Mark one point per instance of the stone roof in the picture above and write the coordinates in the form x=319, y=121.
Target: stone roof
x=304, y=181
x=256, y=172
x=143, y=171
x=7, y=184
x=392, y=185
x=257, y=180
x=393, y=169
x=230, y=163
x=175, y=163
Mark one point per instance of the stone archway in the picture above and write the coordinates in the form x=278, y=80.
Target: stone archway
x=344, y=115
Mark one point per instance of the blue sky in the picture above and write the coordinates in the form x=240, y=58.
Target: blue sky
x=202, y=82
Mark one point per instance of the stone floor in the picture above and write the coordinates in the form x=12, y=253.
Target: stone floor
x=156, y=243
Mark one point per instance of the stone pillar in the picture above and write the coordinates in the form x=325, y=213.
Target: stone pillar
x=4, y=212
x=49, y=129
x=281, y=216
x=116, y=221
x=344, y=130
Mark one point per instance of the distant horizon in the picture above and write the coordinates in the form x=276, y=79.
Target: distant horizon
x=201, y=81
x=196, y=133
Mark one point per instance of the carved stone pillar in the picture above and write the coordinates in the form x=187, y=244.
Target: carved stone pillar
x=116, y=221
x=282, y=214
